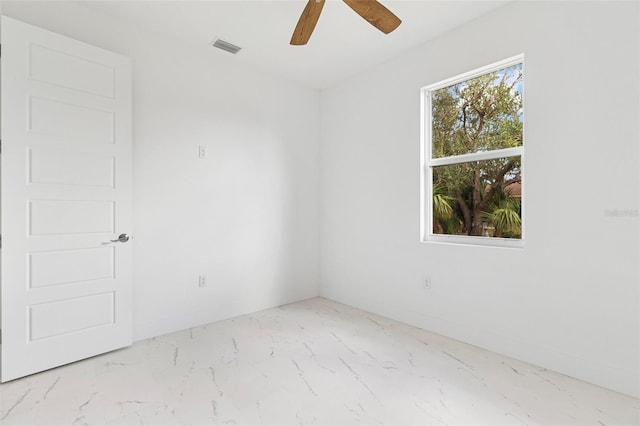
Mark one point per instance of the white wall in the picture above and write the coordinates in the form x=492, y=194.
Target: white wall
x=247, y=217
x=568, y=301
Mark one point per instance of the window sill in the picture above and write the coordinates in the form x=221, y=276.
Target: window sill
x=474, y=241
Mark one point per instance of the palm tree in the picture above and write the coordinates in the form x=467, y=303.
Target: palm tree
x=443, y=213
x=505, y=217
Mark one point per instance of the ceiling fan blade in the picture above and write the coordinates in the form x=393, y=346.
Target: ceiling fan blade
x=377, y=15
x=307, y=22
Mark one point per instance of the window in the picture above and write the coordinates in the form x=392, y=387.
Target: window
x=473, y=154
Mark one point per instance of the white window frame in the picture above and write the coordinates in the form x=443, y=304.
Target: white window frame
x=427, y=163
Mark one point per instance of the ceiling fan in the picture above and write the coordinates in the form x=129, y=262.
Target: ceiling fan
x=372, y=11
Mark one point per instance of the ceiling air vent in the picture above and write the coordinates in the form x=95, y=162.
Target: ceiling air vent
x=226, y=46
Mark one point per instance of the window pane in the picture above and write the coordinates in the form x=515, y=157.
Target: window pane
x=480, y=198
x=480, y=114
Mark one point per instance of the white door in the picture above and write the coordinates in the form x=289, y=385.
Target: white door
x=66, y=193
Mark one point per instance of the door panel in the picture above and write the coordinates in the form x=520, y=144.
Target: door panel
x=56, y=267
x=63, y=167
x=53, y=217
x=70, y=121
x=75, y=72
x=66, y=194
x=71, y=315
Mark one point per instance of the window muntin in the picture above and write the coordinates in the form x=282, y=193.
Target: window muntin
x=472, y=167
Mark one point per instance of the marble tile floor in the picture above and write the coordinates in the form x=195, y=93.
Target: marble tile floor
x=315, y=362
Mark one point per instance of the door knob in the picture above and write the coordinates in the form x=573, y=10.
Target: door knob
x=123, y=238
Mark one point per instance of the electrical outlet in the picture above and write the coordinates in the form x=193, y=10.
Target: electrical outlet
x=202, y=281
x=427, y=283
x=202, y=152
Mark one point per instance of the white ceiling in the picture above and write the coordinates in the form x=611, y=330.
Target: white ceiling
x=343, y=44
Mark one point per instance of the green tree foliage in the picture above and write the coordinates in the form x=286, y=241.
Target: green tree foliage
x=477, y=115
